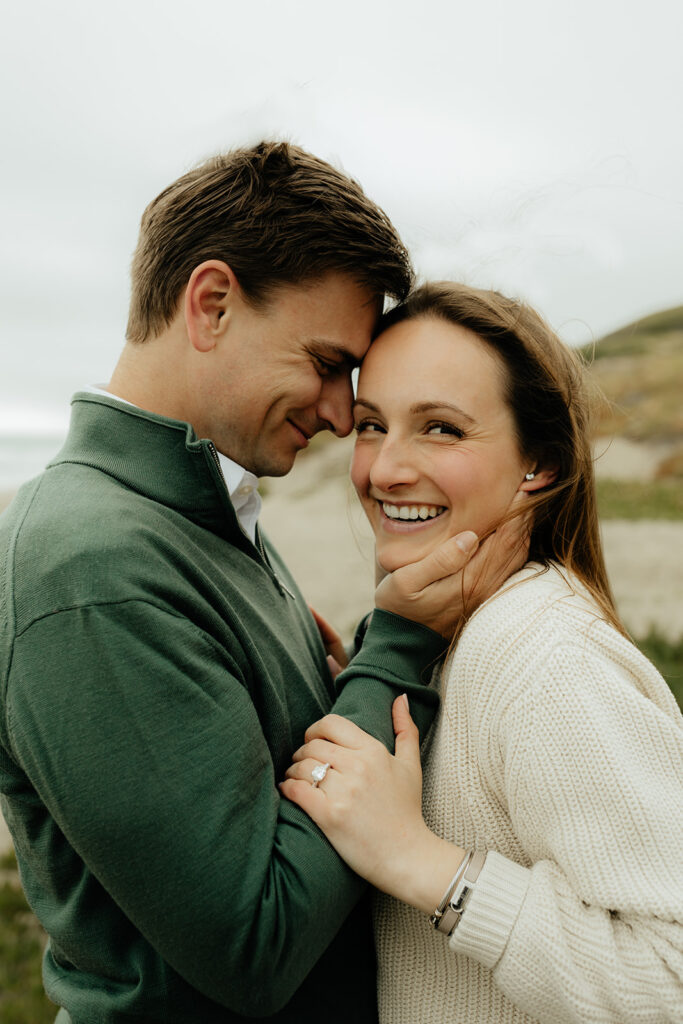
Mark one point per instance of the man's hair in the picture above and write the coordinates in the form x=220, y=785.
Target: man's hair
x=277, y=216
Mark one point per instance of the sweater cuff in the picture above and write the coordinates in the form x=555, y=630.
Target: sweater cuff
x=403, y=648
x=491, y=910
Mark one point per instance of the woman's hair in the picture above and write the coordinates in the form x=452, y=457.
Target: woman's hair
x=276, y=215
x=546, y=391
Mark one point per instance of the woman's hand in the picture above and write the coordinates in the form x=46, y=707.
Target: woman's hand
x=445, y=587
x=332, y=642
x=369, y=805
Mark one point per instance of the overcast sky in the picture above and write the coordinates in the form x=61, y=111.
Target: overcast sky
x=531, y=146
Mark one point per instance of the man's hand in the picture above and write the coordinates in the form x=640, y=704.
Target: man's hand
x=447, y=585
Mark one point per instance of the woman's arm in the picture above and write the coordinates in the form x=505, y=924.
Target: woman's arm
x=593, y=783
x=370, y=806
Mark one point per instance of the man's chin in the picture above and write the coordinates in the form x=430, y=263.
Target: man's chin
x=275, y=466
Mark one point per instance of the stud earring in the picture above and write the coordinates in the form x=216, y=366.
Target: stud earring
x=529, y=476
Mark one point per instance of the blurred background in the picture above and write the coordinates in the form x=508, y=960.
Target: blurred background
x=531, y=147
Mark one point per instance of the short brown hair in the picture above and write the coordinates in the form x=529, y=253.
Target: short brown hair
x=548, y=395
x=276, y=215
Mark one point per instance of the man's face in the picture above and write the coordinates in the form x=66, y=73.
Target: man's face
x=282, y=374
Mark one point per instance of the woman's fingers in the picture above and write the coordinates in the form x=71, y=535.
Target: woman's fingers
x=309, y=798
x=430, y=591
x=407, y=734
x=323, y=752
x=303, y=770
x=339, y=730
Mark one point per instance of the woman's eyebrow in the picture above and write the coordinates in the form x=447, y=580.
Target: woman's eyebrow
x=366, y=405
x=420, y=407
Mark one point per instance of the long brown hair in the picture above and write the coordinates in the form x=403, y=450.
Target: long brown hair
x=547, y=393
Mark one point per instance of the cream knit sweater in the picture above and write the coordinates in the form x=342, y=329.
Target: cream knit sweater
x=559, y=749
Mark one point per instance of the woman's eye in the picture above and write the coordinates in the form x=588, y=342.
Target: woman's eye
x=445, y=428
x=367, y=426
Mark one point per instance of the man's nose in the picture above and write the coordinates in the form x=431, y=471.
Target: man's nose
x=334, y=405
x=393, y=465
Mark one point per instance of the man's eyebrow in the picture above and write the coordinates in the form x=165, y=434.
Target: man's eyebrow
x=336, y=352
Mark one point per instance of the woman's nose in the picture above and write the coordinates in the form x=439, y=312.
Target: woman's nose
x=393, y=466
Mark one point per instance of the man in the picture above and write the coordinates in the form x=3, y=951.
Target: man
x=158, y=665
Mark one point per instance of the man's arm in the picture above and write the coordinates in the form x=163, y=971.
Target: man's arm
x=150, y=757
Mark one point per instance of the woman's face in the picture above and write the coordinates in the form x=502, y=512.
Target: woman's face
x=436, y=451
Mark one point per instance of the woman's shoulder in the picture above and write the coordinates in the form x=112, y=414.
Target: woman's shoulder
x=543, y=627
x=537, y=592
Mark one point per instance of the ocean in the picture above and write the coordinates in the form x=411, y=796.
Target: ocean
x=23, y=457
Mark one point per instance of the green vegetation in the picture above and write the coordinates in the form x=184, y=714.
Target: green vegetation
x=22, y=999
x=668, y=657
x=630, y=499
x=637, y=338
x=639, y=370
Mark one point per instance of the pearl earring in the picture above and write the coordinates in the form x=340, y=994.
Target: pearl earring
x=530, y=476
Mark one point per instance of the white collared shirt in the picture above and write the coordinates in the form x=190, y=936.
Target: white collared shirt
x=241, y=484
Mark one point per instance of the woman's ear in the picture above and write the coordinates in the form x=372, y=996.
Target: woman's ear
x=539, y=477
x=208, y=295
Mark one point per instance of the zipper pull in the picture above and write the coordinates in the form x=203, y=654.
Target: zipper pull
x=283, y=587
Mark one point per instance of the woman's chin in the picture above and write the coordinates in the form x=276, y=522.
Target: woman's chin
x=390, y=561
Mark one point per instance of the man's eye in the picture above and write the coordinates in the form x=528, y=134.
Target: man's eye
x=325, y=367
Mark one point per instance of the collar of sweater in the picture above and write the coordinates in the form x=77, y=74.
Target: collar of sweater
x=160, y=458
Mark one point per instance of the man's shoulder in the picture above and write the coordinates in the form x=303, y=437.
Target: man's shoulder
x=69, y=536
x=72, y=504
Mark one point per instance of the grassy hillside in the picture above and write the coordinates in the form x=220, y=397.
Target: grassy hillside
x=640, y=371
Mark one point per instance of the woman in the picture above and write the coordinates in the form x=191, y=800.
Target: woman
x=539, y=875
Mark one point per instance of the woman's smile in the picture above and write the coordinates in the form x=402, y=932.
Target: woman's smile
x=410, y=515
x=436, y=451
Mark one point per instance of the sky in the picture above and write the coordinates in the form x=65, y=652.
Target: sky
x=530, y=146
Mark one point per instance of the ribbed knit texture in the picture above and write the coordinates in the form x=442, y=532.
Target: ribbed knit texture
x=559, y=747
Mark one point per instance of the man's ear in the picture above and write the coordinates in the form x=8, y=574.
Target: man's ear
x=539, y=477
x=209, y=293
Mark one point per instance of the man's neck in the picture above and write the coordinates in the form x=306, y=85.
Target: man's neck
x=153, y=376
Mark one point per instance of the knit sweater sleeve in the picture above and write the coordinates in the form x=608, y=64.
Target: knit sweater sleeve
x=590, y=771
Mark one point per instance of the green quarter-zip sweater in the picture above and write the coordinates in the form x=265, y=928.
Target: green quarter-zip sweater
x=157, y=670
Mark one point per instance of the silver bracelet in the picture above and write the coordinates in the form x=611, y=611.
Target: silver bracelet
x=437, y=917
x=446, y=917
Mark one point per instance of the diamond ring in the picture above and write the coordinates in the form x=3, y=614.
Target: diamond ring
x=319, y=773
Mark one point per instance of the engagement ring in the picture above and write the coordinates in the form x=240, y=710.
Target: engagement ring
x=319, y=773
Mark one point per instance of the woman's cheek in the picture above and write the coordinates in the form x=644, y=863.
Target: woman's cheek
x=357, y=472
